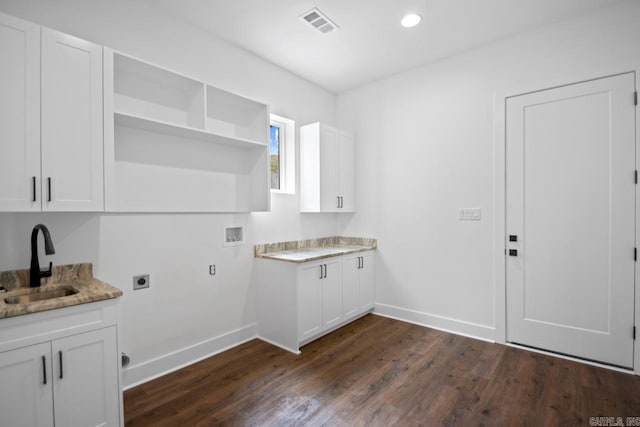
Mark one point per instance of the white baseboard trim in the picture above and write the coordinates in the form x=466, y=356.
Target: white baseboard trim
x=441, y=323
x=268, y=341
x=154, y=368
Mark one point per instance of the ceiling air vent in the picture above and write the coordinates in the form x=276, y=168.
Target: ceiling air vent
x=319, y=21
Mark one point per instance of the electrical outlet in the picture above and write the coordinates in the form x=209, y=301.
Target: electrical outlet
x=212, y=270
x=141, y=282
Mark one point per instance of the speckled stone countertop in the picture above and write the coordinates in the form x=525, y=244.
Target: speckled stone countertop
x=313, y=249
x=78, y=277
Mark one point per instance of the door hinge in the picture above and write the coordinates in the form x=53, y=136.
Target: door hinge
x=634, y=332
x=635, y=254
x=636, y=176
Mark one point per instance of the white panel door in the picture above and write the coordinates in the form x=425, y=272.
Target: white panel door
x=332, y=293
x=26, y=394
x=571, y=205
x=72, y=134
x=328, y=169
x=86, y=379
x=350, y=286
x=19, y=115
x=309, y=300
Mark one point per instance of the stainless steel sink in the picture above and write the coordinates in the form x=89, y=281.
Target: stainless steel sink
x=38, y=295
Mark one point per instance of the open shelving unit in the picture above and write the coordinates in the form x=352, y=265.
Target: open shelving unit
x=174, y=144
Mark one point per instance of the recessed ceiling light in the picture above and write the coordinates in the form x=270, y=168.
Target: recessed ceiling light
x=411, y=20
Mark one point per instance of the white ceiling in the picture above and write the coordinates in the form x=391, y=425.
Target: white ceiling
x=370, y=43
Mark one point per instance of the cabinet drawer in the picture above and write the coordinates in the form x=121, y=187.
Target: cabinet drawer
x=33, y=328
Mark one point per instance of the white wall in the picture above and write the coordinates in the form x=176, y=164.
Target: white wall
x=427, y=147
x=184, y=306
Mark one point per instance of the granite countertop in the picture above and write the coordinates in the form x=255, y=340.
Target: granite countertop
x=78, y=277
x=313, y=249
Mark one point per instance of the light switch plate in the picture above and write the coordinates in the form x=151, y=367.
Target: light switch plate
x=469, y=214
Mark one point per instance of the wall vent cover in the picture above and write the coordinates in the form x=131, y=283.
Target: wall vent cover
x=319, y=21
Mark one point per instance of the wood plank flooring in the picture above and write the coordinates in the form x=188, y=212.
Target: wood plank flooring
x=383, y=372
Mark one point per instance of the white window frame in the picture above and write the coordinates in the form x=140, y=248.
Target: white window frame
x=287, y=154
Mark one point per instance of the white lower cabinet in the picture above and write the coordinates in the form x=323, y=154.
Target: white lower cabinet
x=319, y=297
x=309, y=298
x=332, y=293
x=85, y=386
x=26, y=394
x=350, y=286
x=366, y=282
x=70, y=380
x=326, y=294
x=358, y=292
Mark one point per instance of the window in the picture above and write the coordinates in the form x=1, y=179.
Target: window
x=275, y=155
x=282, y=154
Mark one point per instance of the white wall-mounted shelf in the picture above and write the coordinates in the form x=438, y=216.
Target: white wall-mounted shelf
x=235, y=116
x=174, y=144
x=181, y=131
x=144, y=90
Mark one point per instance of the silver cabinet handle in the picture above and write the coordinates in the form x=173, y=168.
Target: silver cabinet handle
x=49, y=189
x=323, y=271
x=33, y=183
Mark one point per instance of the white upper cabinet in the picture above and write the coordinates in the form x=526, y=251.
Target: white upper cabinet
x=51, y=157
x=19, y=115
x=327, y=175
x=72, y=144
x=346, y=172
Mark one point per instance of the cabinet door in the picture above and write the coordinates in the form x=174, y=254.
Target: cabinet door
x=332, y=293
x=346, y=172
x=19, y=115
x=350, y=286
x=367, y=282
x=309, y=301
x=26, y=394
x=86, y=379
x=328, y=169
x=72, y=135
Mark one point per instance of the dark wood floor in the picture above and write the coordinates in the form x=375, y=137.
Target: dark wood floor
x=378, y=371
